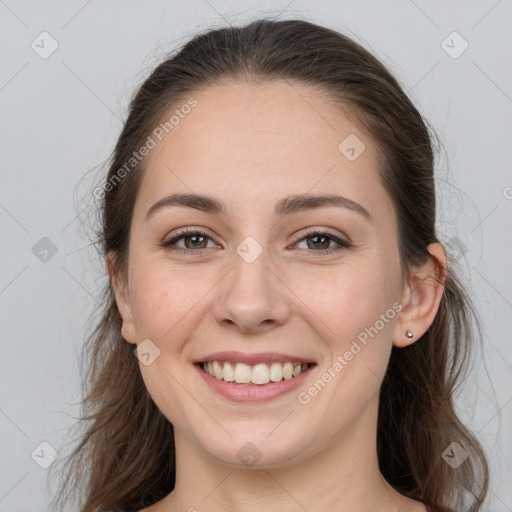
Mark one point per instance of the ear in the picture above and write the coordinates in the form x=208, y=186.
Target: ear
x=122, y=293
x=421, y=297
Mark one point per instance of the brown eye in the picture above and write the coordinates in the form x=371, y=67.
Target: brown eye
x=194, y=241
x=319, y=241
x=197, y=241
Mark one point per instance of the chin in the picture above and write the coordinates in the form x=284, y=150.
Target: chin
x=257, y=447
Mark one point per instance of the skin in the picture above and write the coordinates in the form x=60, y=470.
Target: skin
x=249, y=146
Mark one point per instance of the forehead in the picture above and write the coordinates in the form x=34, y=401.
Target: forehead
x=249, y=142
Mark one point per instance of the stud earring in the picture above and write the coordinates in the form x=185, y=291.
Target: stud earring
x=409, y=333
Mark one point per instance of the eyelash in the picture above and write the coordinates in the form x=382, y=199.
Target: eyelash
x=310, y=234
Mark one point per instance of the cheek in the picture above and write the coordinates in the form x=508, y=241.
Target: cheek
x=170, y=304
x=366, y=313
x=160, y=290
x=357, y=317
x=350, y=297
x=163, y=302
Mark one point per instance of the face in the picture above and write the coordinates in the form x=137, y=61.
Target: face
x=252, y=285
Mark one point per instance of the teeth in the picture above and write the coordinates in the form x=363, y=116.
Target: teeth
x=228, y=373
x=276, y=372
x=242, y=373
x=261, y=374
x=288, y=370
x=217, y=370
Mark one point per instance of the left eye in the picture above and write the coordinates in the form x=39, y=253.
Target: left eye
x=194, y=242
x=319, y=238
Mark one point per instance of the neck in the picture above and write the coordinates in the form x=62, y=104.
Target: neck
x=345, y=476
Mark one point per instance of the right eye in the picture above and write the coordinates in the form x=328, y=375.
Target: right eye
x=197, y=238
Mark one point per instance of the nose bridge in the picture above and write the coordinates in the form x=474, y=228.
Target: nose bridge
x=251, y=267
x=252, y=295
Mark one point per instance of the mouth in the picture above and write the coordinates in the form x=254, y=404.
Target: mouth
x=259, y=374
x=253, y=377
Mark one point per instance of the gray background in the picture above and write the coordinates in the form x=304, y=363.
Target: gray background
x=61, y=116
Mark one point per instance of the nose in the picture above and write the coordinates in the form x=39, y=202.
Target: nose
x=253, y=297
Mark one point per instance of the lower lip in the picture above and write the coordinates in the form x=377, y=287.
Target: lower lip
x=253, y=392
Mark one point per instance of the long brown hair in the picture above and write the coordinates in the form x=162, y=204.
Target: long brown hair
x=125, y=456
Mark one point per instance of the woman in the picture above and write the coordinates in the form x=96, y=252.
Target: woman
x=269, y=233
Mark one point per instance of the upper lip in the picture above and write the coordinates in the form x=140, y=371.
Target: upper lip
x=251, y=359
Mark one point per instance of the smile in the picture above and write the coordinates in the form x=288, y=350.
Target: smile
x=259, y=374
x=257, y=377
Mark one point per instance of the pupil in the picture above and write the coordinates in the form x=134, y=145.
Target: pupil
x=195, y=237
x=319, y=238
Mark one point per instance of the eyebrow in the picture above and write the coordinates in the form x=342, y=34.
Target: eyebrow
x=285, y=206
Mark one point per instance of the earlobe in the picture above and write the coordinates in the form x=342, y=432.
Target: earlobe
x=421, y=298
x=123, y=302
